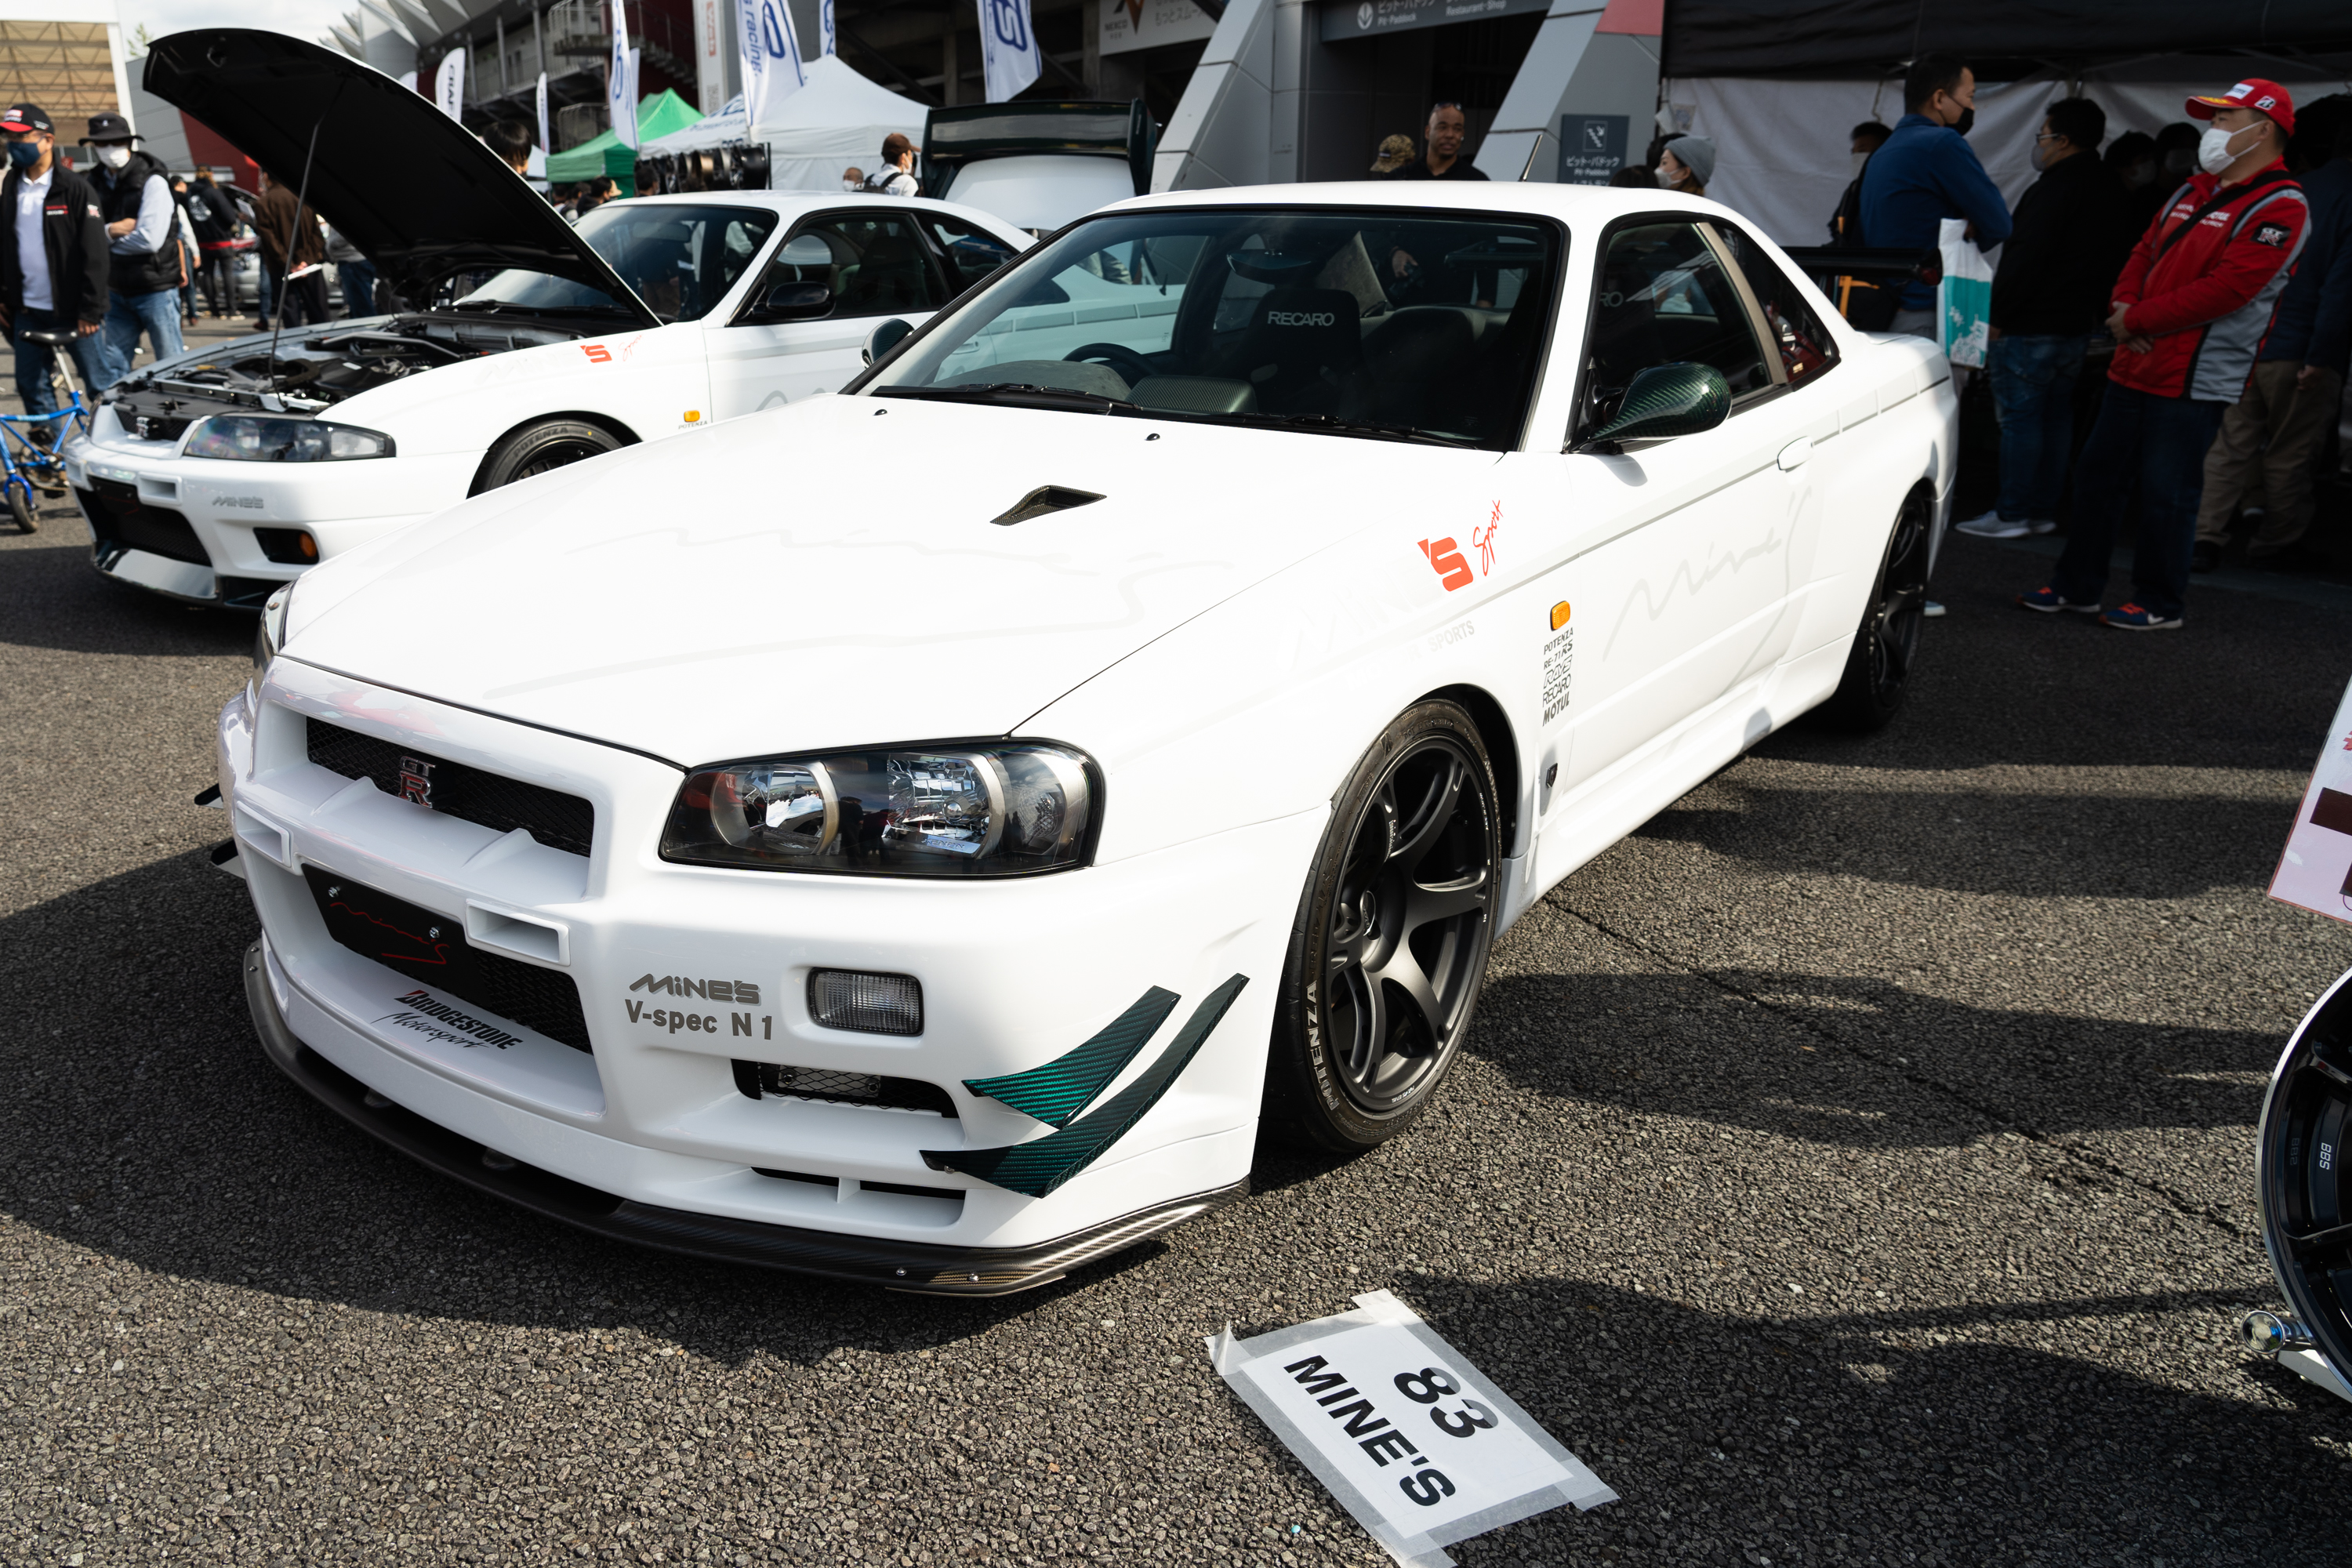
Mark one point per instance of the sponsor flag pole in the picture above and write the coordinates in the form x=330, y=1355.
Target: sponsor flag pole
x=620, y=84
x=449, y=85
x=1009, y=55
x=546, y=143
x=771, y=57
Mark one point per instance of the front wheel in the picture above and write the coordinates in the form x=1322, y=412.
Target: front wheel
x=543, y=448
x=1389, y=949
x=1878, y=666
x=20, y=506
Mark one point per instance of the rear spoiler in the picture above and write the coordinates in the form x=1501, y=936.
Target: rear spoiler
x=955, y=137
x=1864, y=284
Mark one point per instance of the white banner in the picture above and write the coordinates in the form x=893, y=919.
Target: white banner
x=407, y=80
x=1125, y=25
x=450, y=86
x=620, y=80
x=1009, y=55
x=546, y=143
x=1403, y=1431
x=824, y=25
x=2316, y=870
x=771, y=57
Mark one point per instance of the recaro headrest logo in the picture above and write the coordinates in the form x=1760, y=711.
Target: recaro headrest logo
x=1302, y=318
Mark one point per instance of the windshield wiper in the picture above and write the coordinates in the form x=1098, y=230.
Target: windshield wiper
x=1017, y=393
x=1357, y=428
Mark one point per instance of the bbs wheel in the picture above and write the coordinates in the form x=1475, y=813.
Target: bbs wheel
x=1389, y=949
x=540, y=448
x=1878, y=667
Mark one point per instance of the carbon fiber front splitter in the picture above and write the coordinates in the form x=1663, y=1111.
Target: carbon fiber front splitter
x=898, y=1265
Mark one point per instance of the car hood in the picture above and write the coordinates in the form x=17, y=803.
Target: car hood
x=414, y=190
x=828, y=574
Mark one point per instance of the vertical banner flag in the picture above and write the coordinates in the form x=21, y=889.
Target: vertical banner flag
x=824, y=18
x=1009, y=55
x=546, y=143
x=771, y=57
x=620, y=90
x=450, y=86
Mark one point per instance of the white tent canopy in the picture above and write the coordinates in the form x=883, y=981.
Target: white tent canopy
x=1781, y=145
x=837, y=121
x=729, y=124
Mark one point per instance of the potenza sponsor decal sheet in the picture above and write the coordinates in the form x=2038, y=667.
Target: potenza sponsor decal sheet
x=2316, y=872
x=1400, y=1428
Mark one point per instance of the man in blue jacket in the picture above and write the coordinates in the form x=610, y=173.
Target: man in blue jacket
x=2280, y=424
x=1925, y=174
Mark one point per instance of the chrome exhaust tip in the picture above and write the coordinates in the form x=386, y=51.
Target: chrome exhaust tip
x=2267, y=1335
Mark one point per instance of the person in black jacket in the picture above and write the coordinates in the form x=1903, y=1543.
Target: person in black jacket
x=2073, y=231
x=53, y=264
x=135, y=191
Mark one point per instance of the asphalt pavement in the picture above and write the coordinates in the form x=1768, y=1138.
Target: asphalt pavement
x=1852, y=1166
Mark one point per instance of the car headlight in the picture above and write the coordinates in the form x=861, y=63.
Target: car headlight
x=269, y=636
x=980, y=810
x=254, y=438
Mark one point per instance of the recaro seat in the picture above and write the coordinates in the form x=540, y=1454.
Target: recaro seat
x=1302, y=348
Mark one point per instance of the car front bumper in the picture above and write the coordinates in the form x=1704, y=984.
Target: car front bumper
x=648, y=1135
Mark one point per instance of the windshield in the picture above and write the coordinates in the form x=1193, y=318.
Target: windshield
x=1372, y=322
x=680, y=259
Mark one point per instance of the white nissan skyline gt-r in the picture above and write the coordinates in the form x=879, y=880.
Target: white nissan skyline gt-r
x=217, y=475
x=929, y=880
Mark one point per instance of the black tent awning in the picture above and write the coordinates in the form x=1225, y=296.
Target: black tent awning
x=1875, y=37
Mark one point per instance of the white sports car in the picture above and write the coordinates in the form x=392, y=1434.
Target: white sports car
x=930, y=881
x=217, y=476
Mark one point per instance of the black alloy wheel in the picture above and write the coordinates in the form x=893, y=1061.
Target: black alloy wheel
x=1388, y=952
x=2301, y=1178
x=543, y=448
x=1878, y=667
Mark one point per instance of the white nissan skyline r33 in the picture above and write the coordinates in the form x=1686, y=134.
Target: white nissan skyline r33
x=927, y=872
x=217, y=476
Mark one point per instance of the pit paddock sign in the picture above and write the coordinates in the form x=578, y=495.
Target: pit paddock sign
x=1402, y=1429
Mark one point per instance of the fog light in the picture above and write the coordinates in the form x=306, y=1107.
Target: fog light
x=869, y=1003
x=287, y=546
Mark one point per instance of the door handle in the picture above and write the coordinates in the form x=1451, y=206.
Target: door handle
x=1794, y=454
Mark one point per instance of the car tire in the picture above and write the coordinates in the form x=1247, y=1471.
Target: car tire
x=20, y=507
x=1887, y=645
x=1387, y=951
x=543, y=448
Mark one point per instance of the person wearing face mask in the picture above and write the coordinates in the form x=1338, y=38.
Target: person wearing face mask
x=895, y=177
x=52, y=268
x=134, y=194
x=852, y=178
x=1926, y=173
x=2049, y=295
x=2189, y=315
x=1685, y=165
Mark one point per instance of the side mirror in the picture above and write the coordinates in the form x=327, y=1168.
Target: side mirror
x=1665, y=401
x=885, y=338
x=792, y=303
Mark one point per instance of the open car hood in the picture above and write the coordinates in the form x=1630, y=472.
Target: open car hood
x=416, y=191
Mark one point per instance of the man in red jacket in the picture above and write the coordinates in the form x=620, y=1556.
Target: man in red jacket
x=2188, y=316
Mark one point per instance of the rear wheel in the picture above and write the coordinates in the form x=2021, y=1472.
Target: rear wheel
x=1389, y=950
x=1878, y=667
x=543, y=448
x=20, y=506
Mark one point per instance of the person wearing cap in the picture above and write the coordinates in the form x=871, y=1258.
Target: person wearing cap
x=1395, y=152
x=895, y=177
x=2189, y=315
x=1926, y=173
x=134, y=194
x=52, y=268
x=1686, y=163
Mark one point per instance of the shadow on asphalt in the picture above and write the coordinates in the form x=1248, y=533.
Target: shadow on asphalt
x=51, y=597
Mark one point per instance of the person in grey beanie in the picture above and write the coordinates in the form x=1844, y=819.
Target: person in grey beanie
x=1686, y=165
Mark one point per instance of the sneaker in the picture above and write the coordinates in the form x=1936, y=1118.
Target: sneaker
x=1933, y=609
x=1993, y=525
x=2204, y=555
x=2047, y=600
x=2043, y=525
x=2133, y=618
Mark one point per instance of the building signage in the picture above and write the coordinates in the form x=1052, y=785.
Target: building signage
x=1127, y=24
x=1591, y=147
x=1344, y=19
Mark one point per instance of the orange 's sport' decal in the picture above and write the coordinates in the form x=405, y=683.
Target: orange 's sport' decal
x=1446, y=560
x=597, y=353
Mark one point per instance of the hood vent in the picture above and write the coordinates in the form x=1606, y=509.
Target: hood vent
x=1042, y=500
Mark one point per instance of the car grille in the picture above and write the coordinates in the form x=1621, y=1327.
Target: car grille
x=392, y=931
x=558, y=820
x=119, y=518
x=759, y=1079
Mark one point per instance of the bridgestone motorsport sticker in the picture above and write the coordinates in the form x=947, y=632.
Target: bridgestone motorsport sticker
x=1403, y=1431
x=438, y=1021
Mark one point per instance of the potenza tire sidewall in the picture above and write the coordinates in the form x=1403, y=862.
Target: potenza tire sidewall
x=1303, y=1085
x=527, y=446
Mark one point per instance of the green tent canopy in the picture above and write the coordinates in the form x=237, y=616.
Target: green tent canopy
x=603, y=154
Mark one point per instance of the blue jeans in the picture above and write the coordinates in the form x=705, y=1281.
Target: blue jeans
x=2033, y=396
x=34, y=384
x=358, y=281
x=2162, y=443
x=158, y=313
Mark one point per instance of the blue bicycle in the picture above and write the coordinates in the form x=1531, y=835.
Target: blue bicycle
x=26, y=463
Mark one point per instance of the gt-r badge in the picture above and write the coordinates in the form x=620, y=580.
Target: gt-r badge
x=416, y=781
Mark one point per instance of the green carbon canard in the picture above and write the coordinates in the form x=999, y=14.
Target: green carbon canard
x=1036, y=1168
x=1067, y=1085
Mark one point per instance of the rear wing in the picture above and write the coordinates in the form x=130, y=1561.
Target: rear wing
x=1864, y=284
x=955, y=137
